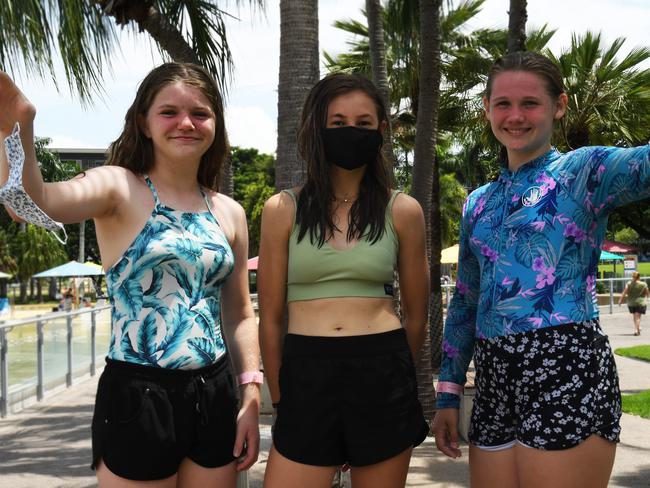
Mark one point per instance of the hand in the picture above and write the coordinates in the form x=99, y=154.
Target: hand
x=248, y=429
x=445, y=430
x=14, y=106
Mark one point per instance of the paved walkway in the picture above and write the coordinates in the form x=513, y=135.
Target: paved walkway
x=48, y=444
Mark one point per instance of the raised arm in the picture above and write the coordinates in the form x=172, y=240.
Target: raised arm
x=413, y=269
x=95, y=195
x=607, y=177
x=277, y=218
x=241, y=335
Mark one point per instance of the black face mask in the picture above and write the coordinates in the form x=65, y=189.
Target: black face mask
x=351, y=147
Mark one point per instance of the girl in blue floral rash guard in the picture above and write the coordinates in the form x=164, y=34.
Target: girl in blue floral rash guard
x=175, y=253
x=547, y=404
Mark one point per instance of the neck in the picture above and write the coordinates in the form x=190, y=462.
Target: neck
x=174, y=179
x=346, y=184
x=517, y=159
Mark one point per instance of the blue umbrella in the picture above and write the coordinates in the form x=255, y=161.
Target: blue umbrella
x=610, y=256
x=73, y=268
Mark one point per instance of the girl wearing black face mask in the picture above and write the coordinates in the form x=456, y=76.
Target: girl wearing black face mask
x=342, y=378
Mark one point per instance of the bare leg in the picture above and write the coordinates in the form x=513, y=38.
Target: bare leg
x=637, y=323
x=588, y=464
x=191, y=475
x=390, y=473
x=107, y=479
x=490, y=469
x=284, y=473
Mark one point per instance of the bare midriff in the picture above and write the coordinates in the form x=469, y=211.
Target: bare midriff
x=347, y=316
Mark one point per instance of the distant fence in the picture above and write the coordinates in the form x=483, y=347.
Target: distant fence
x=46, y=352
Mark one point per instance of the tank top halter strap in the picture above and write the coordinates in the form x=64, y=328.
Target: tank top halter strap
x=157, y=203
x=156, y=200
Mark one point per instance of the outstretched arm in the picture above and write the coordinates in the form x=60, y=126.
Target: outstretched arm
x=95, y=195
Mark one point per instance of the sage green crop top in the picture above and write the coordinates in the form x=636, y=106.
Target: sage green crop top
x=365, y=270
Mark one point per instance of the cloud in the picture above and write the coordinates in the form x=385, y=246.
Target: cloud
x=251, y=127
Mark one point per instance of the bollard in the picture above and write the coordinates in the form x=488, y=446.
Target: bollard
x=4, y=374
x=40, y=361
x=68, y=376
x=93, y=342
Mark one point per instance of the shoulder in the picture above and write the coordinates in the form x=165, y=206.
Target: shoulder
x=407, y=213
x=279, y=208
x=405, y=206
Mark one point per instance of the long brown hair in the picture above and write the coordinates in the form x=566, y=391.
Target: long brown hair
x=315, y=202
x=133, y=150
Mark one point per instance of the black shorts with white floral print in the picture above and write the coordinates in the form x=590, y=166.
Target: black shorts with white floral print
x=549, y=388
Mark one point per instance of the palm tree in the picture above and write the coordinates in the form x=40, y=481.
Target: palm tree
x=85, y=36
x=35, y=249
x=517, y=17
x=609, y=104
x=298, y=73
x=377, y=51
x=426, y=186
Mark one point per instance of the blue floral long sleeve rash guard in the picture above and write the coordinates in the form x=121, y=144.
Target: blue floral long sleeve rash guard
x=530, y=244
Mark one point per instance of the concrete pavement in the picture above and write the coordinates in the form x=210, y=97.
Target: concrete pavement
x=48, y=444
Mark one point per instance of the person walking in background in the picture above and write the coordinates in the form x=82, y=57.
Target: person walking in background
x=636, y=292
x=174, y=251
x=343, y=377
x=547, y=405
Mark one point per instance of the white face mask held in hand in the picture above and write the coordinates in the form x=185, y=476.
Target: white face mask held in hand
x=14, y=195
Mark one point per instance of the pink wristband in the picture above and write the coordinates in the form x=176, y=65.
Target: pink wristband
x=250, y=377
x=448, y=387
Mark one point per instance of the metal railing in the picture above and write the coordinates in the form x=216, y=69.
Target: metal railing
x=43, y=323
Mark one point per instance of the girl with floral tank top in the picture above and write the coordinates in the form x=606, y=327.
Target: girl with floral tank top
x=547, y=406
x=175, y=253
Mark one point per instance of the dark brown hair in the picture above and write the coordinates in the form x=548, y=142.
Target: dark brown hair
x=533, y=63
x=133, y=150
x=314, y=212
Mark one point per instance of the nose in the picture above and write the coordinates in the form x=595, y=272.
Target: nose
x=185, y=122
x=516, y=114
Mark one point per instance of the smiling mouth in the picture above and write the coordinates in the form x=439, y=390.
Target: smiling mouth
x=516, y=132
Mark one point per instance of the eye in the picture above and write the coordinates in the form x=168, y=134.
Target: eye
x=338, y=123
x=364, y=123
x=530, y=103
x=167, y=113
x=503, y=104
x=202, y=114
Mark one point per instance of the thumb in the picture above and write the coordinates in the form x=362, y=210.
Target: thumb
x=239, y=442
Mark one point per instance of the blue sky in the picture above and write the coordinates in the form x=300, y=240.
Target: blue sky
x=251, y=109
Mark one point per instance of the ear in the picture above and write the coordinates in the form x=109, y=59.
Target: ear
x=561, y=105
x=486, y=107
x=142, y=125
x=383, y=126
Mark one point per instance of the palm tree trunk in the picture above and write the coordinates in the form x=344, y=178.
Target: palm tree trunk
x=298, y=73
x=379, y=69
x=426, y=188
x=517, y=26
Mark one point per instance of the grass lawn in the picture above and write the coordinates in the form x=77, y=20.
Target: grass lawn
x=644, y=268
x=637, y=404
x=636, y=352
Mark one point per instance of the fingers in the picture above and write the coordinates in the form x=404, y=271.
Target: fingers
x=446, y=436
x=248, y=454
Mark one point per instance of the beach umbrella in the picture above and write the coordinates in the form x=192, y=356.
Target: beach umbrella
x=73, y=268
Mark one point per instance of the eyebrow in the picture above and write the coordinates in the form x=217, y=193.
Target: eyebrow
x=368, y=115
x=171, y=105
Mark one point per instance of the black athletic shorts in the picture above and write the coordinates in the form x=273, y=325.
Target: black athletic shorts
x=637, y=309
x=347, y=399
x=147, y=419
x=548, y=388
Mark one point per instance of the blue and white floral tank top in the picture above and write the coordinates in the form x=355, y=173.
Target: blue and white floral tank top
x=165, y=291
